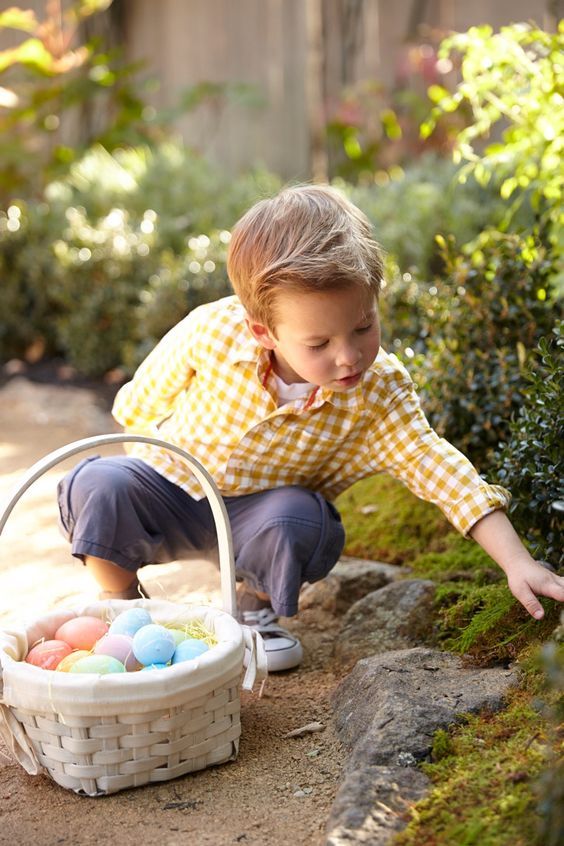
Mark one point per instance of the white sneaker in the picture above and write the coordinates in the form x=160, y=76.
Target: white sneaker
x=283, y=650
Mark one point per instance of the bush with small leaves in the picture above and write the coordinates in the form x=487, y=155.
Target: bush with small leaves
x=481, y=327
x=531, y=464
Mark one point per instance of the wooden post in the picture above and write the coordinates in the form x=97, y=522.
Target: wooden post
x=315, y=91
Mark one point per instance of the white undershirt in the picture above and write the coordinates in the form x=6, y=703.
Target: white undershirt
x=288, y=393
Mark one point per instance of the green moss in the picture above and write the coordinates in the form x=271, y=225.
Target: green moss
x=442, y=746
x=499, y=629
x=459, y=560
x=476, y=612
x=385, y=521
x=485, y=773
x=484, y=782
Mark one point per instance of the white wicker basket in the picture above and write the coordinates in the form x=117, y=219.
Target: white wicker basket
x=97, y=734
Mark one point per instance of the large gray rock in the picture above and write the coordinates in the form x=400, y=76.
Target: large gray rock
x=387, y=711
x=348, y=581
x=397, y=616
x=389, y=707
x=372, y=805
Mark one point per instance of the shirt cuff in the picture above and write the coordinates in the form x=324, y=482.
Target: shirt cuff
x=466, y=511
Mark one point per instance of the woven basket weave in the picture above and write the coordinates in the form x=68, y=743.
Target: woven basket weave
x=97, y=734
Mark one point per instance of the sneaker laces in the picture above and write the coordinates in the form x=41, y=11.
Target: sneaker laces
x=264, y=617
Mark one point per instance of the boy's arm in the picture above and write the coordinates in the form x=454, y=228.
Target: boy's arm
x=149, y=397
x=434, y=470
x=526, y=578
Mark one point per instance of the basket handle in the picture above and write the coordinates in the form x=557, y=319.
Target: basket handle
x=223, y=530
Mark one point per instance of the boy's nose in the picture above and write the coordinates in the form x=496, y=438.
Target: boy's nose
x=348, y=356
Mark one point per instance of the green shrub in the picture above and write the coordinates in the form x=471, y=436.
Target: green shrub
x=117, y=253
x=54, y=79
x=420, y=202
x=27, y=266
x=531, y=463
x=188, y=194
x=178, y=285
x=512, y=82
x=102, y=267
x=480, y=327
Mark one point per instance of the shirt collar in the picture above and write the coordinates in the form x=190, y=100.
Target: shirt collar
x=245, y=347
x=351, y=399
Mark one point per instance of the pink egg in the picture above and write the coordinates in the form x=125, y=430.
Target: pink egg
x=69, y=660
x=82, y=632
x=48, y=654
x=118, y=646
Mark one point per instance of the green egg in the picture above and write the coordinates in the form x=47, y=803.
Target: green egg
x=100, y=664
x=179, y=635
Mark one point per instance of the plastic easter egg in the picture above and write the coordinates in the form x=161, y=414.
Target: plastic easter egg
x=130, y=621
x=155, y=667
x=48, y=654
x=188, y=649
x=153, y=644
x=179, y=635
x=82, y=632
x=119, y=646
x=69, y=660
x=100, y=664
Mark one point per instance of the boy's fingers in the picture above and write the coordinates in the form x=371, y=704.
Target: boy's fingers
x=529, y=601
x=554, y=588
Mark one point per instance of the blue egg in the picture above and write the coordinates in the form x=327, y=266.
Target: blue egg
x=154, y=667
x=128, y=622
x=153, y=644
x=188, y=649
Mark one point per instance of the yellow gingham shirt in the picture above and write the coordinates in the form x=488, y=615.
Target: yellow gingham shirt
x=209, y=388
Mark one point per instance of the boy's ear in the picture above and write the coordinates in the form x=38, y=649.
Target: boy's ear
x=261, y=333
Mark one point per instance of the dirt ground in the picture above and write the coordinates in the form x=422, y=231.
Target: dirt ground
x=277, y=793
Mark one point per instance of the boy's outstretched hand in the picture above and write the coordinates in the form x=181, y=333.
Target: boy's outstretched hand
x=530, y=579
x=527, y=578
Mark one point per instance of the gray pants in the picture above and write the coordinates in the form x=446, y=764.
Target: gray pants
x=122, y=510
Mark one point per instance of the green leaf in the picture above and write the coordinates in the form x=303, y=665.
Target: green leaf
x=390, y=124
x=352, y=147
x=508, y=186
x=426, y=128
x=437, y=93
x=32, y=53
x=21, y=19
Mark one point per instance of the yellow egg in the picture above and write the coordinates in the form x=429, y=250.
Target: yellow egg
x=67, y=663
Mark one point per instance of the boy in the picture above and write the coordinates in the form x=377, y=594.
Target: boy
x=284, y=395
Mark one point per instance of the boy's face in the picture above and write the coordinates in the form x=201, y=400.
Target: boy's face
x=328, y=338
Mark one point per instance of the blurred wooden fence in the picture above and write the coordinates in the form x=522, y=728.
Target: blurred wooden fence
x=297, y=55
x=286, y=63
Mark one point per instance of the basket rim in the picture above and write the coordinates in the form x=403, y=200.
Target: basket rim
x=35, y=689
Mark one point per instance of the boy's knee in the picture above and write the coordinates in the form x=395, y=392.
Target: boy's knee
x=90, y=482
x=308, y=527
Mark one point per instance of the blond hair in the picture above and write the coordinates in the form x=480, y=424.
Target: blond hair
x=307, y=238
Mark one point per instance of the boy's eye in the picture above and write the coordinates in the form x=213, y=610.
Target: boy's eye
x=362, y=329
x=317, y=346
